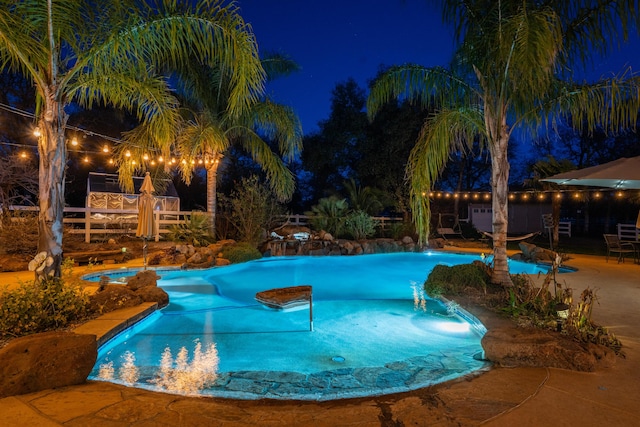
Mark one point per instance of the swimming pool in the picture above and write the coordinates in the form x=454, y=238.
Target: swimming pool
x=373, y=330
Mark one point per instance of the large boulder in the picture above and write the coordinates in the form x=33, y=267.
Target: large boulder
x=113, y=297
x=142, y=279
x=512, y=347
x=153, y=294
x=45, y=361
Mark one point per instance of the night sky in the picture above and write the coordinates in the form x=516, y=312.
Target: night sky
x=333, y=40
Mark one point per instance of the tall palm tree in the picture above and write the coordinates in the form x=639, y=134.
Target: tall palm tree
x=88, y=52
x=208, y=127
x=507, y=75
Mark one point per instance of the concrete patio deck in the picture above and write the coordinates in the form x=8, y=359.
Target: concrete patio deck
x=500, y=397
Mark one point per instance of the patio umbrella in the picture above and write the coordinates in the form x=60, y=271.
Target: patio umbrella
x=621, y=174
x=146, y=219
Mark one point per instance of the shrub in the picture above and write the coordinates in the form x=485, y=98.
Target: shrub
x=397, y=230
x=251, y=210
x=40, y=306
x=360, y=225
x=329, y=215
x=241, y=252
x=445, y=280
x=194, y=231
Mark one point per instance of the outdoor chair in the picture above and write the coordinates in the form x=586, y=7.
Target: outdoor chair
x=614, y=245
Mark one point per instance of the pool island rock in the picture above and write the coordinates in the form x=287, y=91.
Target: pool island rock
x=285, y=298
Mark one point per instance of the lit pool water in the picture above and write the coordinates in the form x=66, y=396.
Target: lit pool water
x=371, y=331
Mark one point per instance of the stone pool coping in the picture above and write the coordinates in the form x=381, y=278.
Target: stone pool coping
x=411, y=374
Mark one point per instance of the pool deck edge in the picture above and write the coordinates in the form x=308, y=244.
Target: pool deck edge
x=111, y=324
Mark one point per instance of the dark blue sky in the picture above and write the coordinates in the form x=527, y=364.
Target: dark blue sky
x=333, y=40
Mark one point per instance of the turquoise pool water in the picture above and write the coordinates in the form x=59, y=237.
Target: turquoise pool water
x=373, y=330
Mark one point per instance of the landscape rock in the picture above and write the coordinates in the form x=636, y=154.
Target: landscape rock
x=153, y=294
x=520, y=347
x=45, y=361
x=142, y=279
x=113, y=297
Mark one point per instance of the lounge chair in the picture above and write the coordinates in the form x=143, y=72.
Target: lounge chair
x=614, y=245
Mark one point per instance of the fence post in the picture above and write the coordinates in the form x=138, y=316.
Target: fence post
x=87, y=225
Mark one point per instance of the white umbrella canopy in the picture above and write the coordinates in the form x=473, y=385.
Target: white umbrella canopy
x=621, y=174
x=146, y=219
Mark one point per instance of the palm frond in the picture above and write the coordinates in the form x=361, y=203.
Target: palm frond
x=419, y=85
x=279, y=123
x=280, y=178
x=441, y=134
x=278, y=64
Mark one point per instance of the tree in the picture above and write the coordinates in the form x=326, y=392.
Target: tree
x=108, y=53
x=207, y=128
x=330, y=155
x=510, y=72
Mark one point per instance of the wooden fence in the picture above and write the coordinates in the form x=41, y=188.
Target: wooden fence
x=102, y=222
x=93, y=221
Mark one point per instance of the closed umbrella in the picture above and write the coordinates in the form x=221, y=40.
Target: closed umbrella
x=146, y=219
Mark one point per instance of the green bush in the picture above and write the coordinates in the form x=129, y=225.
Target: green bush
x=360, y=225
x=445, y=280
x=241, y=252
x=194, y=231
x=329, y=215
x=397, y=230
x=251, y=210
x=40, y=306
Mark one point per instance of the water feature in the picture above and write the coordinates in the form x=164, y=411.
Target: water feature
x=374, y=331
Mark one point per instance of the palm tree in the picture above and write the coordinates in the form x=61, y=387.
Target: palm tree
x=208, y=128
x=89, y=53
x=507, y=76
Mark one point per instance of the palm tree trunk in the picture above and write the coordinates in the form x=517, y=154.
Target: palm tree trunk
x=498, y=145
x=212, y=183
x=53, y=159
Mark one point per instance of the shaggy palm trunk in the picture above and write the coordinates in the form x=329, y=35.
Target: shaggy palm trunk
x=53, y=159
x=212, y=182
x=499, y=140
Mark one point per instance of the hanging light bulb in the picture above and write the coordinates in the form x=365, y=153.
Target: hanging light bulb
x=105, y=149
x=23, y=155
x=86, y=159
x=37, y=133
x=74, y=142
x=145, y=157
x=110, y=161
x=127, y=153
